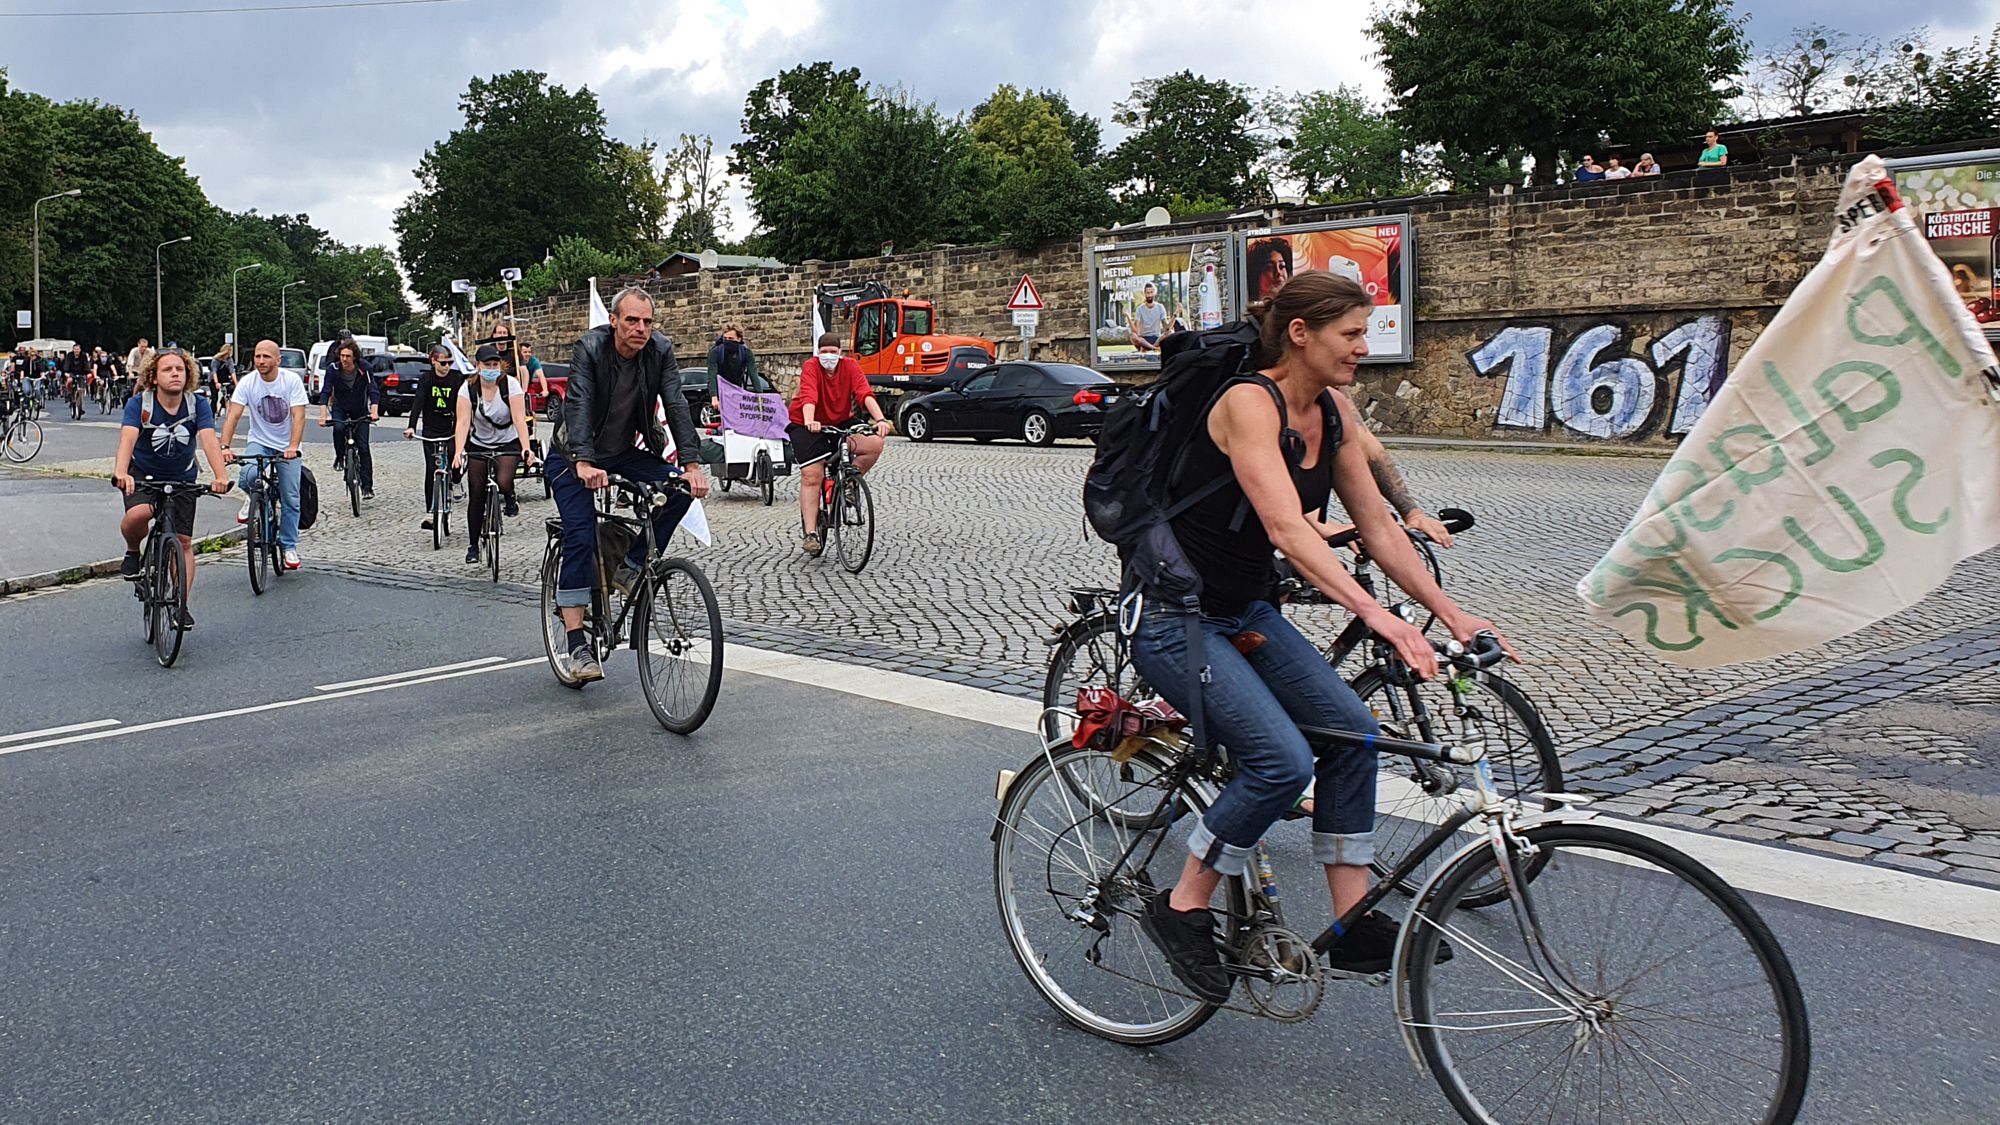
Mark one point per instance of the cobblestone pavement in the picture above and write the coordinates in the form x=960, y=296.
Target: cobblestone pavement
x=1884, y=745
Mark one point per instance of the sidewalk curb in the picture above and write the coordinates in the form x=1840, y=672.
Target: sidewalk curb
x=69, y=576
x=1559, y=448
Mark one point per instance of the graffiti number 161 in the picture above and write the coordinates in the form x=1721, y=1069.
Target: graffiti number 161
x=1609, y=399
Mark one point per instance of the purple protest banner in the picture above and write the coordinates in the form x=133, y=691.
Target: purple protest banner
x=752, y=415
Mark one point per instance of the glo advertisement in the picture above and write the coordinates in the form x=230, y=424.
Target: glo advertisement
x=1144, y=291
x=1957, y=200
x=1372, y=251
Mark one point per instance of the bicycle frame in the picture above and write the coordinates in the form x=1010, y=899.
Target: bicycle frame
x=619, y=492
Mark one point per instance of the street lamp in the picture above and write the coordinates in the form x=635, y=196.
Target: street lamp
x=235, y=322
x=319, y=314
x=369, y=320
x=386, y=322
x=349, y=309
x=36, y=329
x=159, y=305
x=284, y=325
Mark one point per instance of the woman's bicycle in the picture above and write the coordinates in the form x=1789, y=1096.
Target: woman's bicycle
x=1413, y=795
x=1626, y=982
x=162, y=582
x=439, y=451
x=846, y=510
x=491, y=523
x=668, y=611
x=260, y=541
x=20, y=436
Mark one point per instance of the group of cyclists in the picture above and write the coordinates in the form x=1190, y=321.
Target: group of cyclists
x=31, y=379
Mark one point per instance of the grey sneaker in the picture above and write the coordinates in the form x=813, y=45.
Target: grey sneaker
x=584, y=666
x=623, y=579
x=812, y=546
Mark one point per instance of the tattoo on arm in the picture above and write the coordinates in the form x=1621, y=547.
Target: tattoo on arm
x=1391, y=483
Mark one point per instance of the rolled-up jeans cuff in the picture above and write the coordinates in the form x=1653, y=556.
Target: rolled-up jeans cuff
x=1352, y=849
x=570, y=599
x=1227, y=859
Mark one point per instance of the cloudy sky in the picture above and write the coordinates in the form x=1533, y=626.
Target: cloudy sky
x=327, y=111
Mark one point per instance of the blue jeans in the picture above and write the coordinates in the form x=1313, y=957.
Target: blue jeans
x=579, y=518
x=1253, y=705
x=288, y=492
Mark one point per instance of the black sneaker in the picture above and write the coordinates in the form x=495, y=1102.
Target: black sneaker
x=511, y=508
x=130, y=565
x=429, y=523
x=472, y=552
x=1370, y=946
x=1187, y=938
x=368, y=494
x=187, y=620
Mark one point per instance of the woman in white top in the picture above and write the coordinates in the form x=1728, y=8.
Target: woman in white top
x=492, y=418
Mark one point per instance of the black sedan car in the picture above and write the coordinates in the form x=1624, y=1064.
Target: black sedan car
x=397, y=376
x=1036, y=402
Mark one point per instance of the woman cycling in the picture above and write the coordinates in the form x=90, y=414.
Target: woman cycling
x=434, y=413
x=1264, y=678
x=171, y=423
x=492, y=418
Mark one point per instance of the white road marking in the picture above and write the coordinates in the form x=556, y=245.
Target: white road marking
x=413, y=674
x=94, y=724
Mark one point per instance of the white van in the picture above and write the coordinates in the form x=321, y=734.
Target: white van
x=316, y=359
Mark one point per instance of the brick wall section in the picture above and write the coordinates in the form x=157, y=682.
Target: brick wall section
x=1636, y=254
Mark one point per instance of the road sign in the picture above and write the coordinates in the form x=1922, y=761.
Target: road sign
x=24, y=319
x=1025, y=295
x=1027, y=330
x=1027, y=318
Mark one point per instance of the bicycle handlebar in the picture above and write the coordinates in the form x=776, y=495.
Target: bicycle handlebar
x=168, y=487
x=1484, y=652
x=655, y=494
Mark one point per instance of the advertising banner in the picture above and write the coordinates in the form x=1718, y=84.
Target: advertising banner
x=752, y=415
x=1957, y=197
x=1143, y=291
x=1374, y=251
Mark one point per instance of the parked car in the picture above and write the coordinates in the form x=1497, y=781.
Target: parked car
x=294, y=361
x=698, y=390
x=397, y=376
x=893, y=392
x=557, y=377
x=1036, y=402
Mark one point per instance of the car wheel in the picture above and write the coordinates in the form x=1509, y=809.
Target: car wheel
x=917, y=424
x=552, y=407
x=1038, y=428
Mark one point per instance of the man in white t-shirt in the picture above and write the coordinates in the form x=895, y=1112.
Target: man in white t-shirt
x=276, y=402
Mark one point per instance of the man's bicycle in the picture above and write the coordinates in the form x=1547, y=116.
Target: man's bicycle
x=1626, y=982
x=344, y=430
x=846, y=511
x=491, y=524
x=1413, y=795
x=260, y=541
x=20, y=437
x=162, y=583
x=668, y=611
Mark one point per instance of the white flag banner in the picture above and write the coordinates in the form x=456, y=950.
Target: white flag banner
x=695, y=522
x=458, y=358
x=819, y=329
x=1850, y=460
x=598, y=313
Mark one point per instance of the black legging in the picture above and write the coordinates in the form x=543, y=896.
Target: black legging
x=475, y=484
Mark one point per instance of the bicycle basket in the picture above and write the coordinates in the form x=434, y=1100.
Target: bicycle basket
x=614, y=541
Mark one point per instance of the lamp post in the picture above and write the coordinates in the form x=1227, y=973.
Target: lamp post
x=319, y=314
x=368, y=321
x=349, y=309
x=235, y=321
x=386, y=322
x=36, y=328
x=159, y=304
x=284, y=323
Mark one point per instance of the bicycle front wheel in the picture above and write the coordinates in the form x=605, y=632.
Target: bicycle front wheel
x=1630, y=984
x=854, y=512
x=1071, y=908
x=555, y=636
x=440, y=501
x=169, y=601
x=677, y=636
x=258, y=550
x=493, y=537
x=1413, y=798
x=353, y=484
x=24, y=440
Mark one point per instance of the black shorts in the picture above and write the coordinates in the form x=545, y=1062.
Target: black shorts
x=183, y=502
x=809, y=447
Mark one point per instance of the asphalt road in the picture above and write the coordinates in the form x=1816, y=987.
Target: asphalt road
x=487, y=898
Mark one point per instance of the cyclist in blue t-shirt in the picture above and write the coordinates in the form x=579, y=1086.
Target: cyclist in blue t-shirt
x=163, y=424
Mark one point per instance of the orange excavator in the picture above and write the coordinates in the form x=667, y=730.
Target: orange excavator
x=897, y=342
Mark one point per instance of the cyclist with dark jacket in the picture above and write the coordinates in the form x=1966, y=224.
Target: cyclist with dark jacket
x=617, y=374
x=351, y=394
x=434, y=413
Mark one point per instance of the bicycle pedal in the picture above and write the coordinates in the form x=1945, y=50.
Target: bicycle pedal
x=1372, y=980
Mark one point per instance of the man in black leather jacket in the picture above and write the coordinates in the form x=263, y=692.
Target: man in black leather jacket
x=617, y=374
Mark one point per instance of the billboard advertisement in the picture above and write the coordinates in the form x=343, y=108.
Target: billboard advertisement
x=1143, y=291
x=1957, y=199
x=1374, y=251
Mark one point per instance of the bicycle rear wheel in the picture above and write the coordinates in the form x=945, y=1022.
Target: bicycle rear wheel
x=353, y=482
x=854, y=514
x=1072, y=923
x=257, y=548
x=24, y=440
x=440, y=505
x=555, y=636
x=1632, y=984
x=169, y=600
x=1412, y=798
x=493, y=534
x=677, y=637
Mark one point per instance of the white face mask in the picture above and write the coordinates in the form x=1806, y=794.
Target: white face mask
x=829, y=360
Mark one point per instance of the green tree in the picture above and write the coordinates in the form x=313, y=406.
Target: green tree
x=1039, y=189
x=571, y=265
x=26, y=150
x=1485, y=78
x=1086, y=133
x=694, y=190
x=1191, y=137
x=1951, y=96
x=1337, y=146
x=1814, y=69
x=1022, y=129
x=531, y=164
x=634, y=169
x=779, y=108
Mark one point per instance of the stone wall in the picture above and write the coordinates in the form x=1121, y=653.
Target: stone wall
x=1605, y=311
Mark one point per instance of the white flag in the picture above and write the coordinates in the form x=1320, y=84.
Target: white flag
x=598, y=313
x=695, y=522
x=458, y=359
x=819, y=329
x=1850, y=460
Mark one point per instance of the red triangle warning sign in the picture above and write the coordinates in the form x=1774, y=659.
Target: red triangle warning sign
x=1025, y=296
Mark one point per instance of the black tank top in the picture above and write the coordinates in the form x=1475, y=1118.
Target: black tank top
x=1222, y=536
